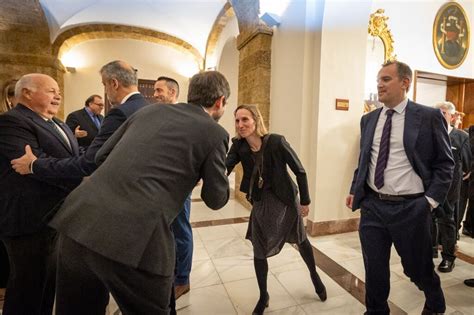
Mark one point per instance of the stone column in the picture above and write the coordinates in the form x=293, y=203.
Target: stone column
x=254, y=78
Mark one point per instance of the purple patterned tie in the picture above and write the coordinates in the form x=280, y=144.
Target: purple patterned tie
x=384, y=150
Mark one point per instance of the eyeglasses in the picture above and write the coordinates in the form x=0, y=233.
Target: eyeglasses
x=99, y=104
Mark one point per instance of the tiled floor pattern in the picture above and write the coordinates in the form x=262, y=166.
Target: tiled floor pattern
x=223, y=279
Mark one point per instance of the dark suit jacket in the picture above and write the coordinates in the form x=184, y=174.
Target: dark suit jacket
x=24, y=200
x=83, y=165
x=278, y=154
x=462, y=159
x=82, y=118
x=147, y=169
x=427, y=147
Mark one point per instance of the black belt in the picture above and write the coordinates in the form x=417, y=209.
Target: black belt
x=395, y=197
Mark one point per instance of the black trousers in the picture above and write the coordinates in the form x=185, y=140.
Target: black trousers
x=4, y=266
x=406, y=225
x=30, y=288
x=444, y=233
x=463, y=198
x=85, y=278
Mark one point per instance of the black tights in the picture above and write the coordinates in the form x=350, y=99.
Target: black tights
x=306, y=252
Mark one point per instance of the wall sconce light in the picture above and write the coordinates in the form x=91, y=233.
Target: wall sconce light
x=270, y=19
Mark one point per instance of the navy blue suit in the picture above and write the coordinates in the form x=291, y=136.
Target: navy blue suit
x=406, y=223
x=84, y=165
x=25, y=202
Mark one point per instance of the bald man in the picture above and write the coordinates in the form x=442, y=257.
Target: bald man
x=26, y=201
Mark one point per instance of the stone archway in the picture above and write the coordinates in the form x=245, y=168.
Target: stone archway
x=81, y=33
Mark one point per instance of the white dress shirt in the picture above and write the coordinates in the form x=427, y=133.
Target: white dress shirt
x=399, y=177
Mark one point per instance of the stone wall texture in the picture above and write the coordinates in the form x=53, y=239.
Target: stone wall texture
x=25, y=45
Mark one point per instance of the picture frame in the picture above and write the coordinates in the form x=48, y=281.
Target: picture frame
x=451, y=32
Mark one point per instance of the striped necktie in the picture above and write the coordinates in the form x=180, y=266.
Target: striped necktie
x=384, y=151
x=56, y=129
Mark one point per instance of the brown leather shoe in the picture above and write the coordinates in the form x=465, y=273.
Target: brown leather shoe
x=180, y=290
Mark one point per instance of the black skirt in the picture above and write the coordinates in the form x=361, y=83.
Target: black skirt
x=272, y=224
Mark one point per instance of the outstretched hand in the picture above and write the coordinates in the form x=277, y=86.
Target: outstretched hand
x=22, y=164
x=79, y=133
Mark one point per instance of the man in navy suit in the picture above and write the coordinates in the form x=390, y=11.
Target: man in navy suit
x=25, y=201
x=121, y=86
x=167, y=91
x=404, y=171
x=85, y=122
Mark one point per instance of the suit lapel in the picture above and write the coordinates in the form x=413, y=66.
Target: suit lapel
x=411, y=129
x=37, y=119
x=370, y=130
x=72, y=140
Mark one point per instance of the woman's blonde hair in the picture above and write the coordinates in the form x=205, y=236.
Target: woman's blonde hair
x=260, y=128
x=8, y=93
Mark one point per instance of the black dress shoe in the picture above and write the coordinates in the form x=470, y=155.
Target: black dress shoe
x=466, y=232
x=469, y=282
x=427, y=311
x=446, y=266
x=261, y=305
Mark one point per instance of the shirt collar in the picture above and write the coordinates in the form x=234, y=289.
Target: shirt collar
x=88, y=110
x=400, y=108
x=128, y=96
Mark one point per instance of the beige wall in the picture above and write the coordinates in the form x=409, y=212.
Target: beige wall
x=318, y=55
x=227, y=57
x=229, y=66
x=151, y=60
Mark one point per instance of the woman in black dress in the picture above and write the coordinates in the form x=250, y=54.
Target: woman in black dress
x=277, y=213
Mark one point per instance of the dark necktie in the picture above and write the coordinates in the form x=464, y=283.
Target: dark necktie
x=56, y=129
x=96, y=121
x=384, y=150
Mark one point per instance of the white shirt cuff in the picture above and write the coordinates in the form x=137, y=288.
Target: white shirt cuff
x=433, y=203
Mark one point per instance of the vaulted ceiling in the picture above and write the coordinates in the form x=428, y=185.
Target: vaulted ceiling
x=188, y=20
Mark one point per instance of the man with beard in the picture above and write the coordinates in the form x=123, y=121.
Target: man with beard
x=119, y=239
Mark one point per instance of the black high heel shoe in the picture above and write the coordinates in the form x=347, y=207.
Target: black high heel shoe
x=319, y=288
x=261, y=305
x=323, y=296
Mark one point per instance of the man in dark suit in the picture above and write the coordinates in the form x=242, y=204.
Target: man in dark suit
x=445, y=217
x=119, y=237
x=167, y=91
x=404, y=171
x=470, y=282
x=85, y=123
x=121, y=86
x=25, y=201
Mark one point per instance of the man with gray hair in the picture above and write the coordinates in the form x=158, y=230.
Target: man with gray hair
x=446, y=216
x=26, y=200
x=121, y=86
x=118, y=239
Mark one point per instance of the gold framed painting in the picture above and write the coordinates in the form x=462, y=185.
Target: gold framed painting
x=451, y=33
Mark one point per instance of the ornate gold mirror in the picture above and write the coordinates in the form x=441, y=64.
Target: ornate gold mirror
x=379, y=50
x=378, y=27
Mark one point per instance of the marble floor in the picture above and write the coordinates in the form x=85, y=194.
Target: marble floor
x=223, y=279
